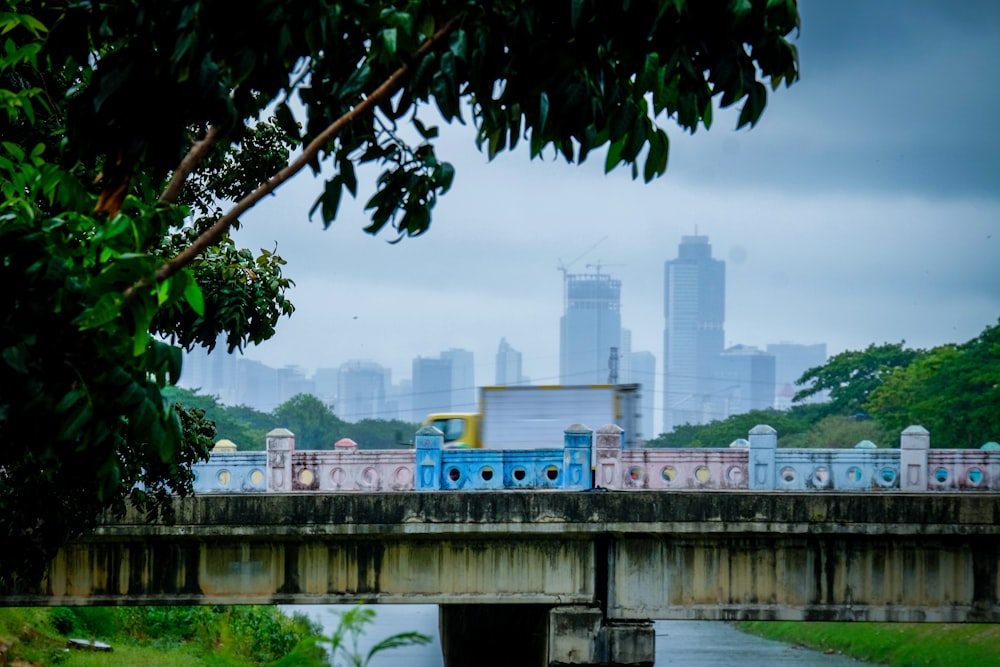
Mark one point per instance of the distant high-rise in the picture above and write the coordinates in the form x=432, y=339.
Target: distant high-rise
x=361, y=390
x=292, y=381
x=694, y=305
x=211, y=374
x=747, y=378
x=591, y=326
x=641, y=369
x=791, y=360
x=327, y=381
x=463, y=379
x=257, y=386
x=431, y=386
x=508, y=365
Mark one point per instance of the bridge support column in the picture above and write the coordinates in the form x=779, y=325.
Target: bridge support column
x=489, y=635
x=581, y=636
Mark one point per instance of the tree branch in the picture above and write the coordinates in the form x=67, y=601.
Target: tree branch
x=193, y=158
x=214, y=234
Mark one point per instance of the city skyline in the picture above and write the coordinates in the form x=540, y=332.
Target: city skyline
x=723, y=380
x=862, y=209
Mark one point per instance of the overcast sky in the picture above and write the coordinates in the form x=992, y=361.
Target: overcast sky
x=863, y=208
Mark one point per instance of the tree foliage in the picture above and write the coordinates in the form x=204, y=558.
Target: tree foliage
x=953, y=391
x=842, y=431
x=720, y=433
x=108, y=108
x=852, y=376
x=314, y=424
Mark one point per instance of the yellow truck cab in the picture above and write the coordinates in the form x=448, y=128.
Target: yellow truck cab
x=461, y=429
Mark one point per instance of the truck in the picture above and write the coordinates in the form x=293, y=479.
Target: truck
x=535, y=416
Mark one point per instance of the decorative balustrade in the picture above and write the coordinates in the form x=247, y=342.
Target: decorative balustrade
x=759, y=466
x=232, y=472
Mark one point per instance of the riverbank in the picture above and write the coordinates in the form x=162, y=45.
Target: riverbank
x=894, y=644
x=250, y=636
x=220, y=637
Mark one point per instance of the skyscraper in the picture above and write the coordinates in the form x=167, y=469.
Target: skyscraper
x=591, y=326
x=508, y=365
x=361, y=390
x=747, y=374
x=641, y=370
x=463, y=379
x=694, y=305
x=431, y=387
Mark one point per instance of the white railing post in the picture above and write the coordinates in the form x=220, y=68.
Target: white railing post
x=280, y=445
x=610, y=440
x=913, y=445
x=763, y=443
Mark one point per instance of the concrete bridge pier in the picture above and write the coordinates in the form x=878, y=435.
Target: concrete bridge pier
x=537, y=635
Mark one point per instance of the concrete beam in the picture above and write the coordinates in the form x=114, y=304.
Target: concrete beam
x=635, y=555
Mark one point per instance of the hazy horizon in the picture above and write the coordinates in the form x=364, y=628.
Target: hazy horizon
x=861, y=210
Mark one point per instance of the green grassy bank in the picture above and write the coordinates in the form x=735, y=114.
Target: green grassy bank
x=158, y=637
x=896, y=644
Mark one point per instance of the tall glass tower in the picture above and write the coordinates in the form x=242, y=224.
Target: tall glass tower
x=694, y=307
x=590, y=328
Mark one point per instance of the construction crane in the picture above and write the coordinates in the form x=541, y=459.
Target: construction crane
x=599, y=265
x=565, y=267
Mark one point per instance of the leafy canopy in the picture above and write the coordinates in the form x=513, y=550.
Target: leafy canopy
x=129, y=128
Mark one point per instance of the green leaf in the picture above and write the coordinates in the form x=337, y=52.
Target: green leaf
x=458, y=45
x=754, y=106
x=656, y=159
x=16, y=358
x=107, y=308
x=163, y=291
x=444, y=174
x=576, y=9
x=423, y=130
x=194, y=297
x=614, y=157
x=543, y=111
x=285, y=120
x=348, y=177
x=389, y=40
x=329, y=201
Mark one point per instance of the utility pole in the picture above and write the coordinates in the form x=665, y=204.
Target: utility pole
x=613, y=366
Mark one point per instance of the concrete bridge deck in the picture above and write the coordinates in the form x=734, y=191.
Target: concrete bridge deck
x=635, y=555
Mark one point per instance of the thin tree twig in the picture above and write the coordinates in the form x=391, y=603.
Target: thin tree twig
x=214, y=234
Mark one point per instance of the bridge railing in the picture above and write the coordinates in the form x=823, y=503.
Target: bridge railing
x=759, y=465
x=232, y=472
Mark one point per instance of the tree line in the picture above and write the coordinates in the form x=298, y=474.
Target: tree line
x=951, y=390
x=314, y=423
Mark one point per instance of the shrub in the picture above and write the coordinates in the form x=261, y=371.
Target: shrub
x=63, y=619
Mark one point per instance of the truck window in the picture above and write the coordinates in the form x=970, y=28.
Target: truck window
x=453, y=429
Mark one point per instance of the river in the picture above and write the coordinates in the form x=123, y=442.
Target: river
x=688, y=643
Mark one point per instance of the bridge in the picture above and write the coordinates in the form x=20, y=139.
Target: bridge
x=583, y=574
x=573, y=577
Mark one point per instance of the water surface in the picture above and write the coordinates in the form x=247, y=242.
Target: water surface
x=689, y=643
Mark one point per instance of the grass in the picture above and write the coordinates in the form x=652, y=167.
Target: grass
x=895, y=644
x=159, y=637
x=151, y=656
